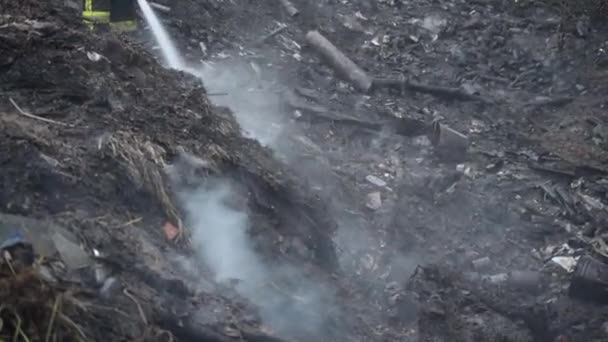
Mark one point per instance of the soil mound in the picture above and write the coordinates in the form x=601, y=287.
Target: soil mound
x=95, y=135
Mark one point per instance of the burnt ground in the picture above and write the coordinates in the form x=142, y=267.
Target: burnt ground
x=531, y=186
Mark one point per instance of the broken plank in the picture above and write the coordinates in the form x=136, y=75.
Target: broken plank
x=444, y=92
x=296, y=102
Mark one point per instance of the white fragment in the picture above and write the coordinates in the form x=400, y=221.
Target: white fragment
x=566, y=262
x=360, y=16
x=256, y=69
x=376, y=181
x=374, y=201
x=109, y=286
x=481, y=263
x=94, y=56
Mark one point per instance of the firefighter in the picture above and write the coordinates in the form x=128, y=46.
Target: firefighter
x=116, y=15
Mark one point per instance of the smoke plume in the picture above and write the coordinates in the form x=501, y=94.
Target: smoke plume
x=288, y=302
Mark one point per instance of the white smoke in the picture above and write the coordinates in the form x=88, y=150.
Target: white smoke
x=287, y=301
x=220, y=235
x=244, y=88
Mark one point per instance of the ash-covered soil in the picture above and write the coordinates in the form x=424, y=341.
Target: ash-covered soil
x=257, y=196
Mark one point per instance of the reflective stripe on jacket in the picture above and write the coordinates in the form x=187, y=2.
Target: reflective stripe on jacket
x=97, y=11
x=119, y=14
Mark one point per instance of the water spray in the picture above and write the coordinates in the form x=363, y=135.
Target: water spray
x=170, y=53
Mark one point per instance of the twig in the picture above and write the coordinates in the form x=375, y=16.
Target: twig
x=273, y=33
x=286, y=293
x=494, y=78
x=7, y=259
x=49, y=330
x=520, y=76
x=32, y=116
x=139, y=308
x=73, y=324
x=130, y=222
x=18, y=330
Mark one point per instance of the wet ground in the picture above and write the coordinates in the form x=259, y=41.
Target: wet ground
x=360, y=228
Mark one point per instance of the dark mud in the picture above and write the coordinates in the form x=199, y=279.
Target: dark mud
x=532, y=185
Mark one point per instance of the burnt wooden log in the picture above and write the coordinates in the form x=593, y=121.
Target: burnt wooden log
x=336, y=59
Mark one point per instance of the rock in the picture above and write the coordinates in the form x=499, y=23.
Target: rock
x=374, y=201
x=600, y=136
